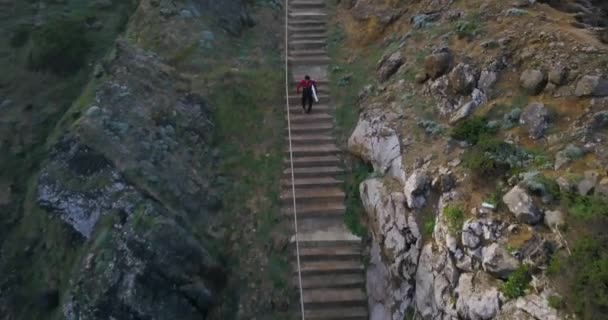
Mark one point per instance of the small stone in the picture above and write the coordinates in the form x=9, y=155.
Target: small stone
x=437, y=64
x=388, y=65
x=462, y=79
x=534, y=81
x=554, y=218
x=588, y=183
x=558, y=74
x=521, y=204
x=591, y=86
x=497, y=261
x=487, y=79
x=535, y=118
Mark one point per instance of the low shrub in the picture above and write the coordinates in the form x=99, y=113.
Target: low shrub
x=472, y=130
x=586, y=207
x=517, y=283
x=61, y=47
x=455, y=218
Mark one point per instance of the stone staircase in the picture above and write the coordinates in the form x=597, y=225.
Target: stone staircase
x=333, y=275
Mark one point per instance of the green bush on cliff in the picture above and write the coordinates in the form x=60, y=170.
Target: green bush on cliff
x=455, y=218
x=472, y=130
x=61, y=47
x=517, y=283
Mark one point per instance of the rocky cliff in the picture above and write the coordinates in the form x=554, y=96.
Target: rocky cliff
x=483, y=123
x=115, y=217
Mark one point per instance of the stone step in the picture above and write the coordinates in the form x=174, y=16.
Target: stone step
x=314, y=172
x=314, y=128
x=352, y=280
x=342, y=252
x=308, y=23
x=306, y=44
x=317, y=195
x=307, y=4
x=334, y=297
x=311, y=182
x=307, y=15
x=298, y=117
x=327, y=266
x=316, y=161
x=337, y=313
x=313, y=150
x=318, y=61
x=316, y=210
x=316, y=108
x=299, y=139
x=307, y=30
x=309, y=36
x=309, y=53
x=334, y=236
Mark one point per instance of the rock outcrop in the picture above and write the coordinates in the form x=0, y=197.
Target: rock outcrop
x=133, y=211
x=396, y=243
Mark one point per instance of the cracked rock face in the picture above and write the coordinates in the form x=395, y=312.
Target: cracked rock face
x=378, y=144
x=395, y=249
x=416, y=188
x=478, y=296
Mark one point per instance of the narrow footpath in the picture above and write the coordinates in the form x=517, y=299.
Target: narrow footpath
x=333, y=275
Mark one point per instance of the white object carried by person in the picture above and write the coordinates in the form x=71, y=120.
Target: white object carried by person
x=314, y=93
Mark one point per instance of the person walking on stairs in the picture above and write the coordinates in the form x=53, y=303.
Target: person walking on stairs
x=309, y=88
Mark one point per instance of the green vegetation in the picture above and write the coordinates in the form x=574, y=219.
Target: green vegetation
x=429, y=226
x=345, y=93
x=355, y=213
x=472, y=130
x=61, y=46
x=556, y=302
x=470, y=27
x=455, y=218
x=492, y=157
x=586, y=207
x=543, y=186
x=586, y=276
x=517, y=283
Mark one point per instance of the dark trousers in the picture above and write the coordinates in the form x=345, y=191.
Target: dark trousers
x=307, y=99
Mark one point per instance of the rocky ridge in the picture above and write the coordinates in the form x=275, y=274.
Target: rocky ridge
x=491, y=228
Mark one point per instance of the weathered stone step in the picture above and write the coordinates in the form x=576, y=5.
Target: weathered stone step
x=308, y=53
x=316, y=108
x=316, y=161
x=307, y=4
x=307, y=15
x=313, y=172
x=319, y=61
x=309, y=36
x=317, y=210
x=327, y=266
x=307, y=23
x=317, y=195
x=353, y=280
x=346, y=252
x=306, y=44
x=334, y=236
x=310, y=139
x=311, y=182
x=307, y=30
x=310, y=117
x=334, y=297
x=313, y=150
x=301, y=128
x=337, y=313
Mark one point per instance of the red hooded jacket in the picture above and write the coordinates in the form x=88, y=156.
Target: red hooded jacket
x=305, y=84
